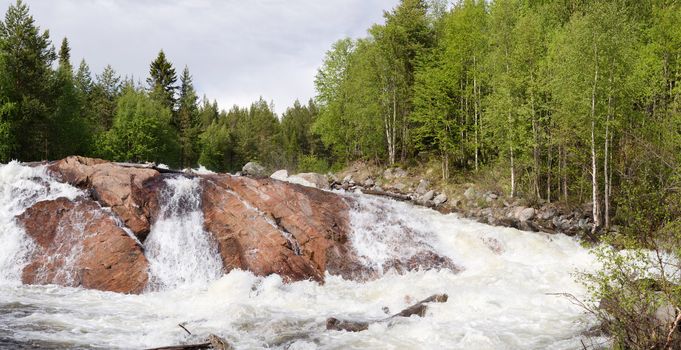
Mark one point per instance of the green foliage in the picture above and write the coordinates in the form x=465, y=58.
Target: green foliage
x=310, y=163
x=218, y=148
x=297, y=137
x=635, y=296
x=26, y=70
x=141, y=131
x=188, y=120
x=161, y=81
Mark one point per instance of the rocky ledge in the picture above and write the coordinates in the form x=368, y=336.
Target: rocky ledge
x=262, y=225
x=489, y=207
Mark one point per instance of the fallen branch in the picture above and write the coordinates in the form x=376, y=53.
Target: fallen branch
x=418, y=309
x=672, y=329
x=401, y=197
x=214, y=342
x=185, y=329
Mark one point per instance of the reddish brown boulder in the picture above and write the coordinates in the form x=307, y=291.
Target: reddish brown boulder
x=268, y=226
x=79, y=244
x=112, y=185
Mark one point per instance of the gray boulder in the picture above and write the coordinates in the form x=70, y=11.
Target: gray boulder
x=440, y=199
x=254, y=169
x=281, y=175
x=525, y=214
x=427, y=196
x=470, y=193
x=422, y=188
x=311, y=180
x=399, y=186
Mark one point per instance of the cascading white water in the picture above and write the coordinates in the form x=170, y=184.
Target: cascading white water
x=384, y=231
x=180, y=252
x=21, y=187
x=503, y=298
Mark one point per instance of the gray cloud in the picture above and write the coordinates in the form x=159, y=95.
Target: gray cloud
x=237, y=50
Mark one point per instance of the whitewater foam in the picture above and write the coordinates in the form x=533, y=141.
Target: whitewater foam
x=21, y=187
x=503, y=299
x=180, y=253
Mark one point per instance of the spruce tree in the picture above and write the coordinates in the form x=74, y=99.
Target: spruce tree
x=105, y=92
x=161, y=81
x=188, y=120
x=28, y=56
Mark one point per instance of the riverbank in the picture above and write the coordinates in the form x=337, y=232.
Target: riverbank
x=485, y=203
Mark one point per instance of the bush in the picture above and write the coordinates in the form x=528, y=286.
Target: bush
x=636, y=297
x=310, y=163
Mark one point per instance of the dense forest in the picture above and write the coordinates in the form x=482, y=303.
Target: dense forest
x=50, y=109
x=576, y=101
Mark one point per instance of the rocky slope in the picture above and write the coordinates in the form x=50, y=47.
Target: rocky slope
x=483, y=205
x=259, y=224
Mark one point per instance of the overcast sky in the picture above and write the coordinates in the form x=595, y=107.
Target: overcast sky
x=237, y=50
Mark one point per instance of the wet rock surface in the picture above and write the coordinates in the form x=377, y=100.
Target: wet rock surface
x=81, y=245
x=488, y=207
x=259, y=224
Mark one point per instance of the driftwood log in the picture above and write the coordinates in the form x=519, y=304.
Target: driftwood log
x=418, y=309
x=397, y=196
x=214, y=342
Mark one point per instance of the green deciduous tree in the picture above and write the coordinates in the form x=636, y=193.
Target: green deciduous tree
x=141, y=131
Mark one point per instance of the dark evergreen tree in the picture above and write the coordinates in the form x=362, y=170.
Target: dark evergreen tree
x=161, y=81
x=27, y=60
x=69, y=132
x=188, y=119
x=105, y=92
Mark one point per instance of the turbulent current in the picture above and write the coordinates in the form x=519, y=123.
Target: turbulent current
x=506, y=296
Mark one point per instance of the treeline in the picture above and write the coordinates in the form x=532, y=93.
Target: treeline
x=50, y=109
x=577, y=100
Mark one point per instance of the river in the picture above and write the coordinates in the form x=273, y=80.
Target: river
x=506, y=296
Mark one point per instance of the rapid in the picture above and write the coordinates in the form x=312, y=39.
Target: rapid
x=506, y=296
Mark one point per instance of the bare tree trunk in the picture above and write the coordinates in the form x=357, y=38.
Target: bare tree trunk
x=594, y=170
x=535, y=150
x=565, y=186
x=606, y=195
x=512, y=174
x=445, y=166
x=475, y=101
x=548, y=173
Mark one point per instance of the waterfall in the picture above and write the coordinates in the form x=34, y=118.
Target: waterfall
x=179, y=251
x=384, y=230
x=504, y=297
x=21, y=187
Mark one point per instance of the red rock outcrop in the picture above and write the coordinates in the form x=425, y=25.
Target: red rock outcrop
x=261, y=225
x=269, y=226
x=79, y=244
x=112, y=185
